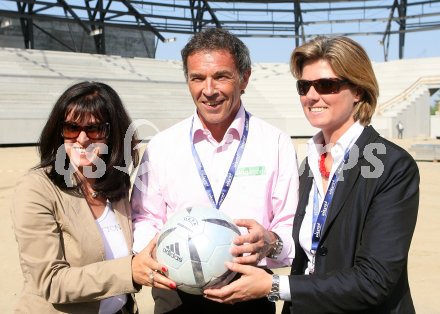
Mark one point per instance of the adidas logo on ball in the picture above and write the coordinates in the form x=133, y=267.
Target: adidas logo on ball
x=194, y=244
x=173, y=251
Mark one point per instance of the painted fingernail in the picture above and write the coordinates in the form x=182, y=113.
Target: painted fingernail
x=164, y=269
x=172, y=286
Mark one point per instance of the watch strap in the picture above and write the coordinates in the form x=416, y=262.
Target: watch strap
x=278, y=247
x=274, y=294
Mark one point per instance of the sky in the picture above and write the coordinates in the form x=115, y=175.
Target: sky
x=417, y=45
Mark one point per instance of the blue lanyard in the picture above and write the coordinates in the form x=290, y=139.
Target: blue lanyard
x=319, y=218
x=232, y=169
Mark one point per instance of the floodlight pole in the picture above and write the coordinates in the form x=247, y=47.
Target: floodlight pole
x=27, y=25
x=402, y=26
x=197, y=12
x=97, y=32
x=386, y=35
x=298, y=22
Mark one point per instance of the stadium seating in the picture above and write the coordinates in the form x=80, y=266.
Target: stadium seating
x=405, y=90
x=32, y=80
x=155, y=90
x=404, y=96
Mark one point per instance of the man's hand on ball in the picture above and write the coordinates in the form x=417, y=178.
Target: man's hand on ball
x=147, y=271
x=252, y=247
x=244, y=288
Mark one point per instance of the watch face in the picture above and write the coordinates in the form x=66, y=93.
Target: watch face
x=273, y=297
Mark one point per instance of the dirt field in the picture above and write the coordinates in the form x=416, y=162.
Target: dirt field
x=424, y=266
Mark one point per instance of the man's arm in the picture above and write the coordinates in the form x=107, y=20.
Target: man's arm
x=148, y=205
x=284, y=201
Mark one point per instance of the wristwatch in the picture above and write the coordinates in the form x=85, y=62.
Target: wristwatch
x=274, y=294
x=278, y=247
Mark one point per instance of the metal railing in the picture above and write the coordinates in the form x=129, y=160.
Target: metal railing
x=429, y=81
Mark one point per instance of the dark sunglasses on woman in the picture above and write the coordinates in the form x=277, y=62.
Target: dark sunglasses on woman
x=323, y=86
x=98, y=131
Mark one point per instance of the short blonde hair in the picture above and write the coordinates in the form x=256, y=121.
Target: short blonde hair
x=349, y=61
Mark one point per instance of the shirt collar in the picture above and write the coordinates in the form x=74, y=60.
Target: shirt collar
x=235, y=130
x=344, y=143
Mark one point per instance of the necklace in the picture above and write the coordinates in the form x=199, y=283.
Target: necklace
x=322, y=169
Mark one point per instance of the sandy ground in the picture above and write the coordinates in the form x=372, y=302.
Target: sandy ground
x=424, y=268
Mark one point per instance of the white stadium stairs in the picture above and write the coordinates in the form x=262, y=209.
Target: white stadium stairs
x=156, y=91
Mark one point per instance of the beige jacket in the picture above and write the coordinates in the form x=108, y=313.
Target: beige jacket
x=61, y=250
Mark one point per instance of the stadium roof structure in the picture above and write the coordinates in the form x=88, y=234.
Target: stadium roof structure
x=294, y=19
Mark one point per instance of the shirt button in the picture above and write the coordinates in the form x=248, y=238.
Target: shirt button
x=228, y=138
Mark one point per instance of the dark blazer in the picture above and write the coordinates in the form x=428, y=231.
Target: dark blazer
x=361, y=260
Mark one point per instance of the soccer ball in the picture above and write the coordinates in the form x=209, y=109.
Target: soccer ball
x=194, y=244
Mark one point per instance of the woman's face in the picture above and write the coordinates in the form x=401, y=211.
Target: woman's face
x=84, y=140
x=329, y=112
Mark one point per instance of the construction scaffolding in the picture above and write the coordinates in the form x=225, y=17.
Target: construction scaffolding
x=294, y=19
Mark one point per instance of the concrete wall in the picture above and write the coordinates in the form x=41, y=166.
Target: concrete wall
x=415, y=118
x=413, y=112
x=121, y=42
x=435, y=126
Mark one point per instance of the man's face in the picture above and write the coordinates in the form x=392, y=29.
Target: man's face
x=215, y=86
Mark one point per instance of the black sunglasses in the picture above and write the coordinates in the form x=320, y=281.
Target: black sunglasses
x=322, y=86
x=93, y=131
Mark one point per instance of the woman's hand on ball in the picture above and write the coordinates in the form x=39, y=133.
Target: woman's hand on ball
x=147, y=271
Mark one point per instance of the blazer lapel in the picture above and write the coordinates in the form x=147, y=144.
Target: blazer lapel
x=343, y=189
x=89, y=227
x=83, y=215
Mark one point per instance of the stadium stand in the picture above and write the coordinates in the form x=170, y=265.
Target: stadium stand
x=405, y=89
x=272, y=96
x=32, y=80
x=155, y=90
x=427, y=152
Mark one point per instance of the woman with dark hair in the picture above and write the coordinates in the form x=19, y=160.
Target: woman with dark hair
x=359, y=197
x=71, y=214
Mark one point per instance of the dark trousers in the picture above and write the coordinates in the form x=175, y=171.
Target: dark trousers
x=178, y=302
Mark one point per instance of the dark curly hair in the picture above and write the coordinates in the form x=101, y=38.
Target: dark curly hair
x=104, y=104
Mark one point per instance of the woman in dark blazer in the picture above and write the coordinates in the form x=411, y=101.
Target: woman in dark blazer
x=359, y=196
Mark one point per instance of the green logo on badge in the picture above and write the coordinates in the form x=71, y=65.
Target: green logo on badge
x=251, y=171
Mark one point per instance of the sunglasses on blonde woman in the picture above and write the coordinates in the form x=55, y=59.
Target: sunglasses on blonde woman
x=94, y=131
x=323, y=86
